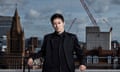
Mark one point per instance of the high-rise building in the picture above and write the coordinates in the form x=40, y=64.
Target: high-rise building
x=5, y=25
x=15, y=43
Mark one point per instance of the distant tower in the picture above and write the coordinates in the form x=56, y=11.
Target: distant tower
x=15, y=43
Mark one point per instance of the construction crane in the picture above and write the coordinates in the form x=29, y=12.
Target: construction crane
x=91, y=16
x=88, y=12
x=108, y=25
x=72, y=24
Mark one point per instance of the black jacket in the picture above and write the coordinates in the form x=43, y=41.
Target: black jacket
x=70, y=44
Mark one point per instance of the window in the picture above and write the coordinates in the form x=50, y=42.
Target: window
x=95, y=59
x=89, y=59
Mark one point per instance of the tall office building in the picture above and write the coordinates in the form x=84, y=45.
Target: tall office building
x=5, y=25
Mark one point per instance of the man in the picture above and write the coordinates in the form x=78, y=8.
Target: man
x=57, y=49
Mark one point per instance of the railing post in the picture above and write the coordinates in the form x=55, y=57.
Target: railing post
x=28, y=68
x=115, y=62
x=24, y=64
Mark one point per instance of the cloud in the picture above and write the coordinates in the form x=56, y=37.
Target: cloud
x=8, y=6
x=117, y=2
x=33, y=14
x=99, y=6
x=36, y=16
x=12, y=2
x=59, y=11
x=31, y=17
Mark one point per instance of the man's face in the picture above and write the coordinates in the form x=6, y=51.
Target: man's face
x=58, y=25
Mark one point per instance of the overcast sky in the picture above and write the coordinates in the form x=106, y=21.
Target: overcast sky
x=35, y=15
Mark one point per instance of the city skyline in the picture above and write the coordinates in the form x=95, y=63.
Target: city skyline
x=35, y=15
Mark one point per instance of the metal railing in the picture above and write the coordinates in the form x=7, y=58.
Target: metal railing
x=19, y=63
x=40, y=70
x=108, y=62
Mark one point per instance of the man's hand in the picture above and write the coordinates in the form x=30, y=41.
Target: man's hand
x=82, y=67
x=30, y=62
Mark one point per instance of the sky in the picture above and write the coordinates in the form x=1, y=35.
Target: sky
x=35, y=15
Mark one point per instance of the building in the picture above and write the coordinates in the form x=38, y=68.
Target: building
x=95, y=38
x=5, y=25
x=15, y=44
x=100, y=51
x=32, y=44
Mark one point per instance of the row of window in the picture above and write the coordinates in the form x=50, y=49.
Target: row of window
x=95, y=59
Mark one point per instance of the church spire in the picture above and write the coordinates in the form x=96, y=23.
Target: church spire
x=16, y=13
x=16, y=22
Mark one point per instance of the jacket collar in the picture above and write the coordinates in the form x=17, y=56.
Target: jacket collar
x=59, y=35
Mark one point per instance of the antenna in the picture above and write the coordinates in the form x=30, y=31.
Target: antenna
x=16, y=5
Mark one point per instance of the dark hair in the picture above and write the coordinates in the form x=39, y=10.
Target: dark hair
x=56, y=15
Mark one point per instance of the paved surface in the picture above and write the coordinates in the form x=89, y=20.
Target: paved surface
x=39, y=70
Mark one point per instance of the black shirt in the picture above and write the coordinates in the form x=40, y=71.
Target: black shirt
x=58, y=56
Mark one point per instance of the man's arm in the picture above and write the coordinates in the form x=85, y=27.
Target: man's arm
x=40, y=53
x=80, y=54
